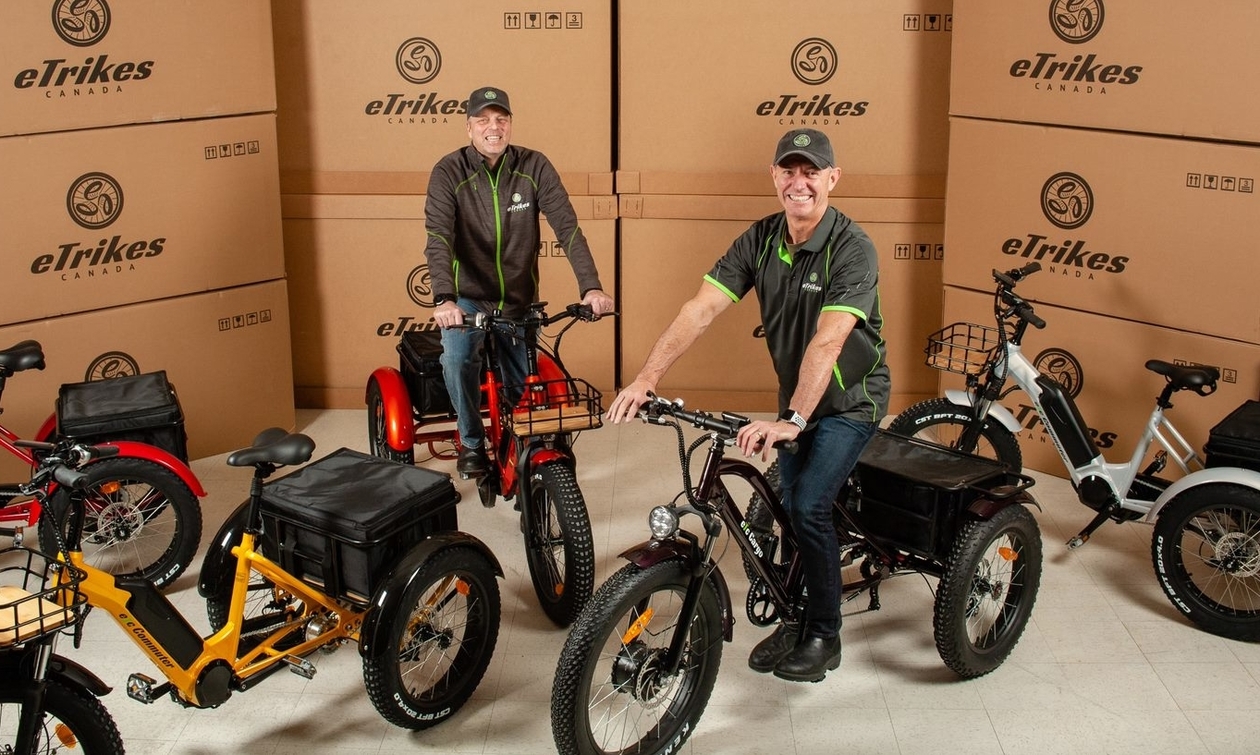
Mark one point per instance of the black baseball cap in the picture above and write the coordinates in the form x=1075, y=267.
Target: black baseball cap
x=808, y=143
x=485, y=97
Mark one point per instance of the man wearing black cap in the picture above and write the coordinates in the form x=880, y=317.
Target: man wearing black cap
x=817, y=280
x=481, y=216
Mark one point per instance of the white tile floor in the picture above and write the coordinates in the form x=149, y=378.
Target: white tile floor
x=1105, y=666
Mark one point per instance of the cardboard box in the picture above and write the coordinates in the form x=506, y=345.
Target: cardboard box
x=349, y=309
x=1152, y=67
x=1152, y=229
x=105, y=217
x=227, y=348
x=371, y=95
x=98, y=63
x=1105, y=358
x=665, y=254
x=707, y=90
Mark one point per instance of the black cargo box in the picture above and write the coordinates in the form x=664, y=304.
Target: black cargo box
x=341, y=522
x=1235, y=440
x=142, y=408
x=420, y=352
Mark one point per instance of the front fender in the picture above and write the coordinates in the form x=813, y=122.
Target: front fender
x=218, y=568
x=1212, y=475
x=654, y=552
x=71, y=674
x=996, y=410
x=400, y=428
x=388, y=601
x=132, y=449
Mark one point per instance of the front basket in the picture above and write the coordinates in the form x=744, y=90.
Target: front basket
x=548, y=407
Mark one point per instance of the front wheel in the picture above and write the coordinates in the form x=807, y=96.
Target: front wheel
x=611, y=693
x=439, y=645
x=140, y=520
x=1206, y=550
x=941, y=422
x=987, y=592
x=73, y=721
x=558, y=543
x=378, y=442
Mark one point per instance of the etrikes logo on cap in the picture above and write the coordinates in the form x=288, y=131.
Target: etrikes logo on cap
x=1074, y=22
x=418, y=61
x=81, y=23
x=95, y=201
x=813, y=62
x=1067, y=202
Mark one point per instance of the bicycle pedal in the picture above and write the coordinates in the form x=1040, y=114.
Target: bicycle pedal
x=300, y=666
x=145, y=689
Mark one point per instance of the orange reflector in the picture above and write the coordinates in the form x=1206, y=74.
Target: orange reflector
x=1008, y=553
x=65, y=736
x=559, y=590
x=110, y=487
x=637, y=627
x=461, y=587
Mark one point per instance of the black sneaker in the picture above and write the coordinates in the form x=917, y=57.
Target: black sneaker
x=772, y=649
x=472, y=463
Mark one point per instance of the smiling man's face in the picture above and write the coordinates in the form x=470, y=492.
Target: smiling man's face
x=803, y=188
x=490, y=132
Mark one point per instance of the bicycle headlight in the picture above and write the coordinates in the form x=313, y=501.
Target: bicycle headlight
x=663, y=522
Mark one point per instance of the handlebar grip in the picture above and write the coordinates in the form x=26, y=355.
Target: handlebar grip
x=1011, y=277
x=70, y=478
x=1026, y=314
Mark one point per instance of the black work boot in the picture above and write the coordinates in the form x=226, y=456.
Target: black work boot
x=810, y=660
x=772, y=649
x=472, y=463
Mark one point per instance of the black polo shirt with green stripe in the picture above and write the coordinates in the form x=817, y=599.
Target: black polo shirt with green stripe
x=837, y=269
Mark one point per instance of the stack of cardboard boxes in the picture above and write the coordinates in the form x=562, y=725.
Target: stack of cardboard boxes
x=1109, y=143
x=370, y=98
x=140, y=204
x=705, y=93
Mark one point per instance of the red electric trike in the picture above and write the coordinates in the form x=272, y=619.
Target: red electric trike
x=529, y=441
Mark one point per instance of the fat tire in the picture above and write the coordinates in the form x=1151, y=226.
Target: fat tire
x=377, y=443
x=941, y=422
x=1206, y=552
x=595, y=644
x=87, y=719
x=558, y=546
x=448, y=630
x=973, y=573
x=764, y=529
x=158, y=511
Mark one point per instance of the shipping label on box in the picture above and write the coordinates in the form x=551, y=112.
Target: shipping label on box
x=113, y=216
x=226, y=353
x=1157, y=66
x=371, y=90
x=706, y=89
x=1151, y=229
x=93, y=63
x=1100, y=361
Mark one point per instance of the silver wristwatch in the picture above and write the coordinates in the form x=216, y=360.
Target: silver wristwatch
x=793, y=416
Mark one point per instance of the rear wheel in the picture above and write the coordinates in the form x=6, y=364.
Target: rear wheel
x=267, y=607
x=1206, y=550
x=377, y=435
x=73, y=721
x=140, y=520
x=986, y=595
x=941, y=422
x=438, y=647
x=558, y=543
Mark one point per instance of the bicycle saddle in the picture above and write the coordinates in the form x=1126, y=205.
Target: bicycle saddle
x=21, y=356
x=1182, y=378
x=274, y=446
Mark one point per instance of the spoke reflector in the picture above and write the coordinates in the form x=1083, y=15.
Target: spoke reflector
x=637, y=627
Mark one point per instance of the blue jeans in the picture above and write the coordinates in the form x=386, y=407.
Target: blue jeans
x=811, y=479
x=462, y=370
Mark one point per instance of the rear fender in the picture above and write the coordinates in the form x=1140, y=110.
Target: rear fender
x=1210, y=476
x=654, y=552
x=985, y=508
x=400, y=427
x=218, y=568
x=134, y=450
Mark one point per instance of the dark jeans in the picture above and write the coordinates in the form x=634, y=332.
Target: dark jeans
x=811, y=480
x=461, y=369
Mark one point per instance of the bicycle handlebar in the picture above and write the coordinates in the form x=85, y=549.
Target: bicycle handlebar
x=1006, y=285
x=725, y=426
x=62, y=460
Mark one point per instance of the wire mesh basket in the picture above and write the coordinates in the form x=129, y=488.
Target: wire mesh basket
x=964, y=348
x=38, y=595
x=547, y=407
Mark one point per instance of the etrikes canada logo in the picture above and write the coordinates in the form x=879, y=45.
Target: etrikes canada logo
x=420, y=292
x=81, y=24
x=95, y=201
x=418, y=62
x=1075, y=22
x=1067, y=202
x=814, y=63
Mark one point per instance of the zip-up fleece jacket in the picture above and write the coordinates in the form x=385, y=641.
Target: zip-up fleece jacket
x=483, y=231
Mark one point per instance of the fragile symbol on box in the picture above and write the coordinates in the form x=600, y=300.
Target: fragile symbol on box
x=927, y=22
x=244, y=320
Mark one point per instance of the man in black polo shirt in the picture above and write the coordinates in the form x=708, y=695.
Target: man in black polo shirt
x=816, y=276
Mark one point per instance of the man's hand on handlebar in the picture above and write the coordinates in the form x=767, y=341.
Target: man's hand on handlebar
x=626, y=406
x=761, y=435
x=599, y=302
x=448, y=315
